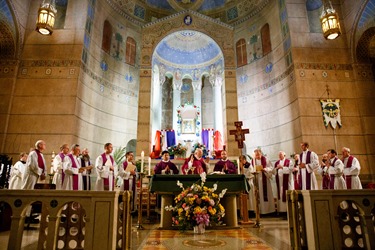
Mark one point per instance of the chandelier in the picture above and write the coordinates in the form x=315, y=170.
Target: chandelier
x=46, y=17
x=330, y=22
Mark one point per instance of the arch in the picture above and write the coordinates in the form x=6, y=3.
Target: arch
x=131, y=145
x=7, y=41
x=107, y=36
x=266, y=39
x=363, y=46
x=131, y=47
x=241, y=52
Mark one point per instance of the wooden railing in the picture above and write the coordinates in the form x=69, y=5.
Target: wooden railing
x=332, y=219
x=71, y=219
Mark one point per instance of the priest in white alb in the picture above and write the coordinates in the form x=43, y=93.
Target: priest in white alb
x=335, y=171
x=72, y=178
x=352, y=169
x=309, y=162
x=58, y=166
x=263, y=170
x=105, y=167
x=35, y=166
x=128, y=171
x=16, y=175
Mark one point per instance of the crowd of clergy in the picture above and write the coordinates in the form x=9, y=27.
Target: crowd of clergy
x=72, y=168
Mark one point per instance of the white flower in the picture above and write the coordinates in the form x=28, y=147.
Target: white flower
x=221, y=195
x=203, y=177
x=215, y=187
x=180, y=184
x=169, y=208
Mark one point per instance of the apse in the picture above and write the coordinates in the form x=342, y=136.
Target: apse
x=186, y=93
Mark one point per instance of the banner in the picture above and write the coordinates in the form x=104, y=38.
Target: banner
x=331, y=112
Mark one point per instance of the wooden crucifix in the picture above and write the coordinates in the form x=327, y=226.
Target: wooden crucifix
x=239, y=133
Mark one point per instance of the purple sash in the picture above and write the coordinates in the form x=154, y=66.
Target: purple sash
x=75, y=176
x=106, y=180
x=348, y=178
x=40, y=160
x=308, y=175
x=285, y=181
x=264, y=177
x=332, y=176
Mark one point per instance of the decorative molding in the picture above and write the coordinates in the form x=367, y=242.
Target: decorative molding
x=50, y=63
x=106, y=83
x=285, y=74
x=323, y=66
x=122, y=13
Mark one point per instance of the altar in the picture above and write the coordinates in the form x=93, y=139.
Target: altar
x=166, y=186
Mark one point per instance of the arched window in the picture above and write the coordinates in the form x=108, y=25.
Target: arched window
x=266, y=39
x=241, y=52
x=130, y=51
x=107, y=35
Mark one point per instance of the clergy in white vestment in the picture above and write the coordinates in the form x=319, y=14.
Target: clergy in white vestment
x=283, y=171
x=263, y=168
x=128, y=171
x=105, y=167
x=35, y=166
x=16, y=175
x=57, y=164
x=351, y=170
x=72, y=178
x=309, y=162
x=335, y=171
x=248, y=170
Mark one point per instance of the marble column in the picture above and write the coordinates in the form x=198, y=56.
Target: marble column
x=176, y=101
x=218, y=104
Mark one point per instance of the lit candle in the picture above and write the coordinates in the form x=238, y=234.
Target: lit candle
x=238, y=166
x=142, y=160
x=149, y=165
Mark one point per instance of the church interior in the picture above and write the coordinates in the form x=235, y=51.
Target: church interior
x=149, y=75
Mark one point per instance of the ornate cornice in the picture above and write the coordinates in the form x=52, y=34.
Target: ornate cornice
x=252, y=13
x=123, y=14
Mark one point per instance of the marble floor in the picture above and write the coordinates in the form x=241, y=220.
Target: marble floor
x=273, y=234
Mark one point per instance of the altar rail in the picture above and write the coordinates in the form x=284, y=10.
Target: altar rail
x=332, y=219
x=71, y=219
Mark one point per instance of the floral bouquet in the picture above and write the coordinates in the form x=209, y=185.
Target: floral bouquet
x=197, y=205
x=178, y=149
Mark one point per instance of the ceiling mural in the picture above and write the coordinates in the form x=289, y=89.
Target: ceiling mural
x=228, y=11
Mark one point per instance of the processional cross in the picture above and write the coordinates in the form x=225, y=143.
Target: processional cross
x=239, y=133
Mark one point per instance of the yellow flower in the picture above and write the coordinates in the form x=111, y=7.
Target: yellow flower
x=221, y=208
x=197, y=210
x=214, y=195
x=180, y=210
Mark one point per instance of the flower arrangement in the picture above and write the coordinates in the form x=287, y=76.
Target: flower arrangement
x=178, y=149
x=197, y=205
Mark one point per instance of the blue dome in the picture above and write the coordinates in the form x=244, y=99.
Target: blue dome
x=185, y=48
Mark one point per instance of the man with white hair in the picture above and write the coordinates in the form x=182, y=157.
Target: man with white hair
x=284, y=180
x=263, y=168
x=351, y=170
x=35, y=166
x=58, y=166
x=195, y=164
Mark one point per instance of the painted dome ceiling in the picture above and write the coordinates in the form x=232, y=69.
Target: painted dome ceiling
x=227, y=11
x=186, y=49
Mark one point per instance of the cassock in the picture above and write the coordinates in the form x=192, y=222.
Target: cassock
x=351, y=172
x=248, y=172
x=35, y=165
x=129, y=181
x=15, y=181
x=267, y=203
x=197, y=167
x=58, y=169
x=160, y=168
x=306, y=178
x=284, y=182
x=105, y=178
x=335, y=172
x=72, y=179
x=86, y=181
x=220, y=165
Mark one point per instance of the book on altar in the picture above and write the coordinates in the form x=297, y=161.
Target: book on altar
x=130, y=167
x=259, y=168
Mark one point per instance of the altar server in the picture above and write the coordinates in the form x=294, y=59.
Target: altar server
x=16, y=175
